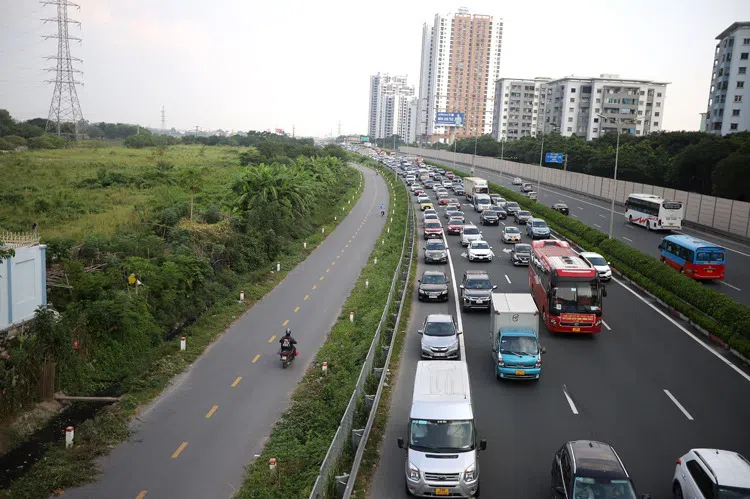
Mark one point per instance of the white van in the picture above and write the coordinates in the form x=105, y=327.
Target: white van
x=442, y=446
x=482, y=202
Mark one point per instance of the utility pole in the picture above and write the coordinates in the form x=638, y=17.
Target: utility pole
x=163, y=120
x=64, y=107
x=541, y=157
x=618, y=124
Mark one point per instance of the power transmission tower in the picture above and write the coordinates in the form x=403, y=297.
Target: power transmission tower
x=163, y=120
x=64, y=107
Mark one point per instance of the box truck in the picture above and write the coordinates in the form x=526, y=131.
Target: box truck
x=514, y=336
x=475, y=185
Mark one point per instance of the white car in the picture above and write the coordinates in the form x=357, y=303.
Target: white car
x=470, y=233
x=423, y=199
x=414, y=186
x=480, y=250
x=599, y=263
x=447, y=184
x=511, y=235
x=431, y=216
x=708, y=473
x=517, y=181
x=429, y=211
x=436, y=186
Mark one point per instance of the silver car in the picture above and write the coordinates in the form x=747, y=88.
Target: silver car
x=440, y=337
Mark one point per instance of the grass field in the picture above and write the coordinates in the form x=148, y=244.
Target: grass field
x=74, y=192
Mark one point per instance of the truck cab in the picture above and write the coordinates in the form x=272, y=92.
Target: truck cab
x=514, y=337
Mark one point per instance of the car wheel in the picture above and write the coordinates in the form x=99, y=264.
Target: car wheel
x=406, y=489
x=677, y=491
x=471, y=258
x=419, y=297
x=476, y=494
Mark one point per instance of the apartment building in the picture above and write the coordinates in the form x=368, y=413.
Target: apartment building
x=389, y=106
x=728, y=99
x=519, y=108
x=575, y=105
x=460, y=63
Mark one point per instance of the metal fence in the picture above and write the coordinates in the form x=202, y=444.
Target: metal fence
x=718, y=214
x=345, y=430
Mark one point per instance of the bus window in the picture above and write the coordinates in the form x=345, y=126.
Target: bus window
x=703, y=256
x=717, y=257
x=576, y=297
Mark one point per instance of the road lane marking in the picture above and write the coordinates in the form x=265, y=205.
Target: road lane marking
x=346, y=246
x=315, y=286
x=255, y=359
x=597, y=225
x=580, y=207
x=607, y=326
x=679, y=406
x=321, y=278
x=456, y=301
x=338, y=256
x=211, y=412
x=507, y=278
x=333, y=263
x=328, y=270
x=272, y=338
x=575, y=215
x=285, y=323
x=570, y=400
x=627, y=239
x=237, y=382
x=684, y=330
x=727, y=284
x=141, y=494
x=307, y=297
x=179, y=450
x=603, y=216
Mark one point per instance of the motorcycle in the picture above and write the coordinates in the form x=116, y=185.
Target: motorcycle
x=287, y=357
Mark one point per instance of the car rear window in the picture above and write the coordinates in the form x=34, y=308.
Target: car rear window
x=471, y=230
x=432, y=225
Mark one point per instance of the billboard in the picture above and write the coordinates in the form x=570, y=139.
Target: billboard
x=364, y=138
x=450, y=119
x=554, y=157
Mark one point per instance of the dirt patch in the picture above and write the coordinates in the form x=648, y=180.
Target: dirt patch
x=18, y=428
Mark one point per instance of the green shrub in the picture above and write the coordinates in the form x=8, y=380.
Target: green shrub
x=15, y=140
x=6, y=145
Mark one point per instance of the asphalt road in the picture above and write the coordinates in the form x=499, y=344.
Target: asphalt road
x=195, y=440
x=596, y=214
x=616, y=381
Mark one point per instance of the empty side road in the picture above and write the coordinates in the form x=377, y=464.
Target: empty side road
x=196, y=438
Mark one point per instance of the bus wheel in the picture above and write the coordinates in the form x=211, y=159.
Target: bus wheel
x=630, y=218
x=682, y=271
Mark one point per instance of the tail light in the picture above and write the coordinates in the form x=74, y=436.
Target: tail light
x=679, y=461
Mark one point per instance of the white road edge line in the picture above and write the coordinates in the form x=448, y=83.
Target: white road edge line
x=679, y=406
x=456, y=300
x=570, y=400
x=603, y=216
x=607, y=326
x=507, y=279
x=684, y=330
x=727, y=284
x=627, y=239
x=597, y=225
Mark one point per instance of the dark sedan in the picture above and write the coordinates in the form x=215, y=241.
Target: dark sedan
x=433, y=286
x=522, y=216
x=561, y=207
x=520, y=254
x=489, y=217
x=500, y=212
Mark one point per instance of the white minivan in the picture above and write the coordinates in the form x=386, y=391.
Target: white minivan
x=482, y=202
x=442, y=445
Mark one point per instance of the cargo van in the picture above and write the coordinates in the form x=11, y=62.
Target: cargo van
x=482, y=202
x=441, y=444
x=514, y=336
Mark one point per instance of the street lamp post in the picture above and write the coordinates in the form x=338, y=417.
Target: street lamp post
x=475, y=153
x=541, y=157
x=618, y=124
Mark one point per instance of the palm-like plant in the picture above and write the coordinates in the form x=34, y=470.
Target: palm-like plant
x=275, y=186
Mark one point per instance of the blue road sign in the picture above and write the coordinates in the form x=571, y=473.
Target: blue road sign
x=450, y=119
x=554, y=157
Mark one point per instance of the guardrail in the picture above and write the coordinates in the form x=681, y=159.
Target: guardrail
x=345, y=430
x=725, y=216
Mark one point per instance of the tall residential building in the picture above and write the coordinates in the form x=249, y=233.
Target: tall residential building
x=729, y=99
x=574, y=105
x=519, y=108
x=389, y=105
x=459, y=65
x=412, y=118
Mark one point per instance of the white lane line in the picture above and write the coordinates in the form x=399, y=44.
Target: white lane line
x=575, y=215
x=502, y=223
x=580, y=208
x=597, y=225
x=603, y=216
x=607, y=326
x=679, y=406
x=727, y=284
x=507, y=278
x=627, y=239
x=629, y=226
x=570, y=400
x=684, y=330
x=456, y=300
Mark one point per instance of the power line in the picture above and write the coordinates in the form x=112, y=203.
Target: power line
x=64, y=107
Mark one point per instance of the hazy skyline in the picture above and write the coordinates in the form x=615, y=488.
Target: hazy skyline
x=230, y=65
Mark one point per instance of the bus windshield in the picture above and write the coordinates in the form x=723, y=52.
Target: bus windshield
x=671, y=205
x=576, y=297
x=441, y=436
x=709, y=257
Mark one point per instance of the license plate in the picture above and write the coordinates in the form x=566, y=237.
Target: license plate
x=709, y=271
x=576, y=329
x=520, y=372
x=434, y=295
x=442, y=492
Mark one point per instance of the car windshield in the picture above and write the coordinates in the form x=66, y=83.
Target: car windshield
x=512, y=230
x=513, y=204
x=453, y=200
x=439, y=329
x=603, y=488
x=432, y=225
x=519, y=345
x=458, y=214
x=597, y=260
x=480, y=245
x=732, y=492
x=471, y=230
x=441, y=436
x=524, y=214
x=561, y=206
x=522, y=248
x=456, y=221
x=431, y=216
x=541, y=224
x=576, y=297
x=434, y=279
x=478, y=284
x=435, y=245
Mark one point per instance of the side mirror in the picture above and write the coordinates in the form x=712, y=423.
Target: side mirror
x=560, y=491
x=401, y=444
x=460, y=332
x=483, y=444
x=609, y=263
x=604, y=291
x=543, y=350
x=420, y=331
x=461, y=286
x=494, y=286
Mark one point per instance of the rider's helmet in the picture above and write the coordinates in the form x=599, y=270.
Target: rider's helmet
x=288, y=332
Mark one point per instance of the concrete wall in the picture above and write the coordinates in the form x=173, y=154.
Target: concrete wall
x=723, y=215
x=23, y=285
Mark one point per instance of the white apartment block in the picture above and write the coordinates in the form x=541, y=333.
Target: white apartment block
x=389, y=104
x=412, y=118
x=460, y=63
x=729, y=99
x=574, y=106
x=519, y=108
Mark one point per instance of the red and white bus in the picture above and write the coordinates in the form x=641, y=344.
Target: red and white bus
x=566, y=289
x=654, y=212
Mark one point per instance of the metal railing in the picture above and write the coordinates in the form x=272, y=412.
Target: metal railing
x=347, y=420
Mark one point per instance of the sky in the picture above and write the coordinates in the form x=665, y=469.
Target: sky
x=239, y=65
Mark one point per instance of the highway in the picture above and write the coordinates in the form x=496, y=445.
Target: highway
x=596, y=213
x=196, y=438
x=624, y=388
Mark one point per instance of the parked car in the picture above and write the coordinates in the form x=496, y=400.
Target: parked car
x=489, y=217
x=537, y=228
x=709, y=473
x=433, y=229
x=435, y=251
x=476, y=290
x=480, y=250
x=440, y=337
x=517, y=181
x=522, y=216
x=512, y=207
x=520, y=254
x=501, y=213
x=511, y=235
x=455, y=226
x=561, y=207
x=599, y=263
x=470, y=233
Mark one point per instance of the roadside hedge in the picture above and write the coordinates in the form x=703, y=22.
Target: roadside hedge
x=710, y=309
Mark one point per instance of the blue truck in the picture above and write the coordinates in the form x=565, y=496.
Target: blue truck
x=514, y=333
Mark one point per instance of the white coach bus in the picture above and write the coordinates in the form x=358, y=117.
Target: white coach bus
x=653, y=212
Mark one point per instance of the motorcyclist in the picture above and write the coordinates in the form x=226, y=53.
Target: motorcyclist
x=382, y=209
x=288, y=343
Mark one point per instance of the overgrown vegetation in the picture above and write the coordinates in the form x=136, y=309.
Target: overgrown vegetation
x=301, y=438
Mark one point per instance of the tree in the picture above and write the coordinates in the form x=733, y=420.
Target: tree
x=191, y=179
x=731, y=177
x=7, y=125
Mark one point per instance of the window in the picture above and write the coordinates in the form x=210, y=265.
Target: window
x=737, y=98
x=596, y=120
x=656, y=123
x=572, y=99
x=656, y=113
x=570, y=129
x=735, y=112
x=743, y=56
x=740, y=84
x=702, y=480
x=596, y=110
x=571, y=109
x=658, y=94
x=595, y=130
x=570, y=120
x=733, y=126
x=746, y=41
x=598, y=90
x=658, y=104
x=742, y=70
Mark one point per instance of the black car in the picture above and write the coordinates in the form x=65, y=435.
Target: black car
x=522, y=216
x=433, y=286
x=586, y=468
x=561, y=207
x=476, y=290
x=512, y=207
x=520, y=254
x=435, y=252
x=500, y=212
x=489, y=217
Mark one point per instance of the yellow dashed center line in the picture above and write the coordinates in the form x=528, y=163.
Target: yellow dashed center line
x=346, y=246
x=338, y=256
x=307, y=297
x=315, y=286
x=296, y=309
x=328, y=270
x=272, y=338
x=321, y=277
x=333, y=262
x=141, y=494
x=179, y=450
x=211, y=412
x=237, y=381
x=285, y=323
x=255, y=359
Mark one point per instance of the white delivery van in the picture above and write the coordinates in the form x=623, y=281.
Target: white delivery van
x=482, y=202
x=441, y=445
